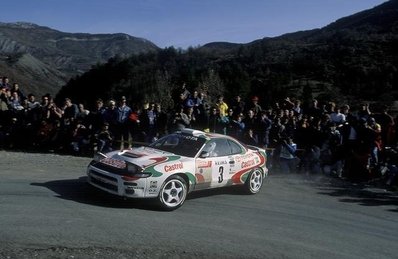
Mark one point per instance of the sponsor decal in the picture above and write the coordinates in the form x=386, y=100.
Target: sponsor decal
x=240, y=176
x=248, y=163
x=220, y=163
x=204, y=164
x=114, y=162
x=190, y=137
x=135, y=187
x=232, y=163
x=200, y=178
x=173, y=167
x=152, y=191
x=244, y=157
x=155, y=173
x=204, y=175
x=153, y=184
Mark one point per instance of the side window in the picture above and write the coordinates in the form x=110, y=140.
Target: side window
x=217, y=147
x=222, y=147
x=235, y=148
x=210, y=148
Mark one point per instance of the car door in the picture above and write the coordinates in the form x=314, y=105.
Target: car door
x=213, y=166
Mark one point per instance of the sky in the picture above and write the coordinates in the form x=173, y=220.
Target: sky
x=183, y=23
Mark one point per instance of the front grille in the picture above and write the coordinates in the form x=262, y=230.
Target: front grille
x=109, y=182
x=110, y=178
x=104, y=185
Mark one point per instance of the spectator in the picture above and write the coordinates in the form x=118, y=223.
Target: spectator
x=15, y=88
x=387, y=124
x=80, y=137
x=331, y=151
x=104, y=139
x=122, y=131
x=184, y=90
x=148, y=120
x=83, y=114
x=15, y=102
x=96, y=116
x=287, y=104
x=236, y=127
x=250, y=138
x=33, y=110
x=53, y=113
x=264, y=127
x=287, y=155
x=180, y=96
x=161, y=121
x=196, y=103
x=111, y=116
x=13, y=133
x=374, y=140
x=5, y=83
x=134, y=125
x=44, y=136
x=277, y=132
x=314, y=110
x=337, y=117
x=222, y=106
x=217, y=122
x=193, y=122
x=229, y=119
x=180, y=120
x=311, y=159
x=254, y=106
x=364, y=113
x=297, y=108
x=202, y=116
x=237, y=105
x=70, y=111
x=251, y=121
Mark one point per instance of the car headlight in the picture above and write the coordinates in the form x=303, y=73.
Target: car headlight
x=136, y=171
x=133, y=169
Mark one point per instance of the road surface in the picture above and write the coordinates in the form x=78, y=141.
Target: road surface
x=48, y=211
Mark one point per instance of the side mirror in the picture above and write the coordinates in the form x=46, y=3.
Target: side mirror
x=204, y=154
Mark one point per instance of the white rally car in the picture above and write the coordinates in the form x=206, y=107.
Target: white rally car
x=177, y=164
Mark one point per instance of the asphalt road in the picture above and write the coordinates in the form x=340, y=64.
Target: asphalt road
x=48, y=211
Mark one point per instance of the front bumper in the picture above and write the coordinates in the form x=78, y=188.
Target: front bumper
x=115, y=184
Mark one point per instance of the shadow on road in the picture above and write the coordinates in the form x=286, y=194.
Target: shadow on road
x=79, y=190
x=362, y=194
x=229, y=190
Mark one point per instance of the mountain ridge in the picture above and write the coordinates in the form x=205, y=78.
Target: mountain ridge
x=353, y=57
x=62, y=55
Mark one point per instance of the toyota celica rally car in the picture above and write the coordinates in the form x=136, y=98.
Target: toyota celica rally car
x=177, y=164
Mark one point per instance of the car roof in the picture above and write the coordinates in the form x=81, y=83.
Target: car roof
x=202, y=134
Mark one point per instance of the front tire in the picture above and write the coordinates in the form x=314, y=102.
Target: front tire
x=173, y=193
x=254, y=181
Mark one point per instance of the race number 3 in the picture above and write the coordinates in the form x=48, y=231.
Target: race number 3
x=221, y=176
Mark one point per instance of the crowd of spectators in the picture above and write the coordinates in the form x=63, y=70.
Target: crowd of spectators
x=316, y=138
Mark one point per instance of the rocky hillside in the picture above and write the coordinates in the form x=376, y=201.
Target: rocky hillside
x=42, y=59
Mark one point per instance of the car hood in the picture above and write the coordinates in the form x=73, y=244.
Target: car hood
x=144, y=156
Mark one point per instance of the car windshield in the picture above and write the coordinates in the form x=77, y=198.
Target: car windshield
x=179, y=144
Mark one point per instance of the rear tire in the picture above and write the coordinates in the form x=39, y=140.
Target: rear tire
x=173, y=193
x=254, y=181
